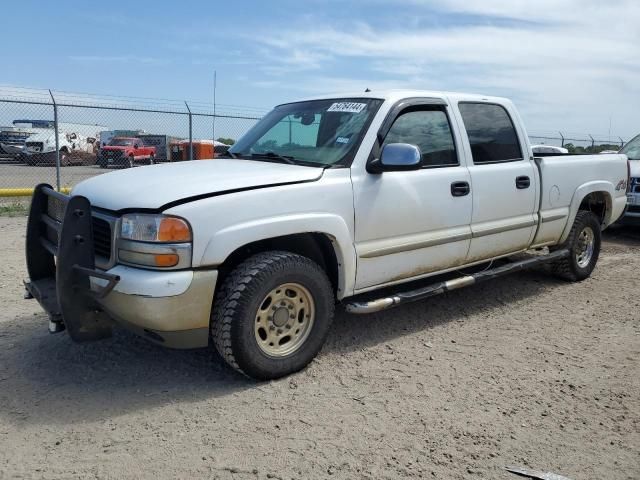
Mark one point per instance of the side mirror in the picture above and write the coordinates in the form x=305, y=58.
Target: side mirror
x=135, y=147
x=396, y=157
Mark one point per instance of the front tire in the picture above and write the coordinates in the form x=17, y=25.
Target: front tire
x=272, y=314
x=131, y=162
x=584, y=242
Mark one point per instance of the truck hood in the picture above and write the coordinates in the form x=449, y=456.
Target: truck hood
x=160, y=186
x=43, y=137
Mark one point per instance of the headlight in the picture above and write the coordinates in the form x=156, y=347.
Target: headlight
x=155, y=241
x=155, y=228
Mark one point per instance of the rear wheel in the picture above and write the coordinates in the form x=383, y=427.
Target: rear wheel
x=272, y=314
x=583, y=244
x=152, y=160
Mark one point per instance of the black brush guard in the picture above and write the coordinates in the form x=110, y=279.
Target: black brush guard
x=60, y=270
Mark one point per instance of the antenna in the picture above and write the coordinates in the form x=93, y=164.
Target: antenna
x=213, y=131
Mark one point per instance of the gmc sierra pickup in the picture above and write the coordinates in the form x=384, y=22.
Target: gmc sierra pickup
x=370, y=200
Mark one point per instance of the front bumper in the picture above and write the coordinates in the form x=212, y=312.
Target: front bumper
x=170, y=308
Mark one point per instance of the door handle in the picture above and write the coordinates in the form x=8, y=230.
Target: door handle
x=460, y=189
x=523, y=182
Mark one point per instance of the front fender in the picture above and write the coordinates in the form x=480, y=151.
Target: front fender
x=580, y=194
x=227, y=240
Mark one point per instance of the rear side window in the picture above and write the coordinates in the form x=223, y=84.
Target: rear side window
x=429, y=130
x=492, y=136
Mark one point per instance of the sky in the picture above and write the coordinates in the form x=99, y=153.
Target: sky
x=570, y=65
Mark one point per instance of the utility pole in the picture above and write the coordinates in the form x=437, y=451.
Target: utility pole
x=213, y=130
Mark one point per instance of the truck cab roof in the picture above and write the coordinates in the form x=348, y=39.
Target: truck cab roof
x=398, y=94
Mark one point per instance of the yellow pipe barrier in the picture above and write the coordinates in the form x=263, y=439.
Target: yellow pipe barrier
x=24, y=192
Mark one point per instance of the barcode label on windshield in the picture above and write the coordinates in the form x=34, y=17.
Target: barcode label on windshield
x=347, y=107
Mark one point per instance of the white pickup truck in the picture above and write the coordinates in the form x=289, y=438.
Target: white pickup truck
x=370, y=200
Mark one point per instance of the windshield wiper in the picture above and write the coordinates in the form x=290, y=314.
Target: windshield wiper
x=276, y=156
x=228, y=154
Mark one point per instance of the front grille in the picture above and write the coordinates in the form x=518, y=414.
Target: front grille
x=112, y=153
x=101, y=238
x=35, y=145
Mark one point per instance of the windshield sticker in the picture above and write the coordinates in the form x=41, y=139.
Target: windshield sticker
x=347, y=107
x=342, y=140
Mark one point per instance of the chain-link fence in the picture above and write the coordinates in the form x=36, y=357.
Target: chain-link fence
x=579, y=143
x=62, y=138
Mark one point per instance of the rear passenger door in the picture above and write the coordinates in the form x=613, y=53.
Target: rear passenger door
x=503, y=182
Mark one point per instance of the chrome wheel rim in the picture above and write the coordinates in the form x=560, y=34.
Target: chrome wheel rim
x=585, y=247
x=284, y=320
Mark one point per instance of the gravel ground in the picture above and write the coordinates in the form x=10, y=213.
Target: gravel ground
x=525, y=370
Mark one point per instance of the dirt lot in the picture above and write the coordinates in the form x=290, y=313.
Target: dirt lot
x=526, y=370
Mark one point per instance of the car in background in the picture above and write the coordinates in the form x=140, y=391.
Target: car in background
x=548, y=150
x=125, y=152
x=632, y=151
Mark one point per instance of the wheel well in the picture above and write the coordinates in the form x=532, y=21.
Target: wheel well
x=316, y=246
x=598, y=203
x=64, y=150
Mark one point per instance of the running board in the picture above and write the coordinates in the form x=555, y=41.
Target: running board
x=442, y=287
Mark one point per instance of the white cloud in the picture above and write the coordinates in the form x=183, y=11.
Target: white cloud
x=568, y=64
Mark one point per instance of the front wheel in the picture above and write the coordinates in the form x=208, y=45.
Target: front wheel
x=583, y=243
x=131, y=162
x=272, y=314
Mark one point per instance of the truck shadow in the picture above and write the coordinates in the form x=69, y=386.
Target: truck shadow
x=359, y=331
x=48, y=379
x=622, y=235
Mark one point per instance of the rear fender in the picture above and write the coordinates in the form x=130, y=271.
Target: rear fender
x=580, y=194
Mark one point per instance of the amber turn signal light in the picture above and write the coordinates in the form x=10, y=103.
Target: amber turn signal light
x=173, y=229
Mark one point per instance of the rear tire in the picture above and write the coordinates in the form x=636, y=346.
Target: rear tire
x=152, y=160
x=583, y=243
x=272, y=314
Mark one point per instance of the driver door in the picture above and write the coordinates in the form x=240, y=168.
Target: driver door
x=409, y=224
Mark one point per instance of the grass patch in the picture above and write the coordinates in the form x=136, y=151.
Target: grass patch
x=14, y=210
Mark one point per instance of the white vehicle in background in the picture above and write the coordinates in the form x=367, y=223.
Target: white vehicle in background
x=13, y=138
x=632, y=151
x=40, y=148
x=372, y=200
x=548, y=149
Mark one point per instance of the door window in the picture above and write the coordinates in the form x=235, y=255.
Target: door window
x=430, y=131
x=492, y=136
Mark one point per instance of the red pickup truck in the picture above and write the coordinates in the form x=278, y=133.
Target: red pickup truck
x=125, y=152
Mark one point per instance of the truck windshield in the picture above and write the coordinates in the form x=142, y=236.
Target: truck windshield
x=121, y=142
x=316, y=133
x=632, y=149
